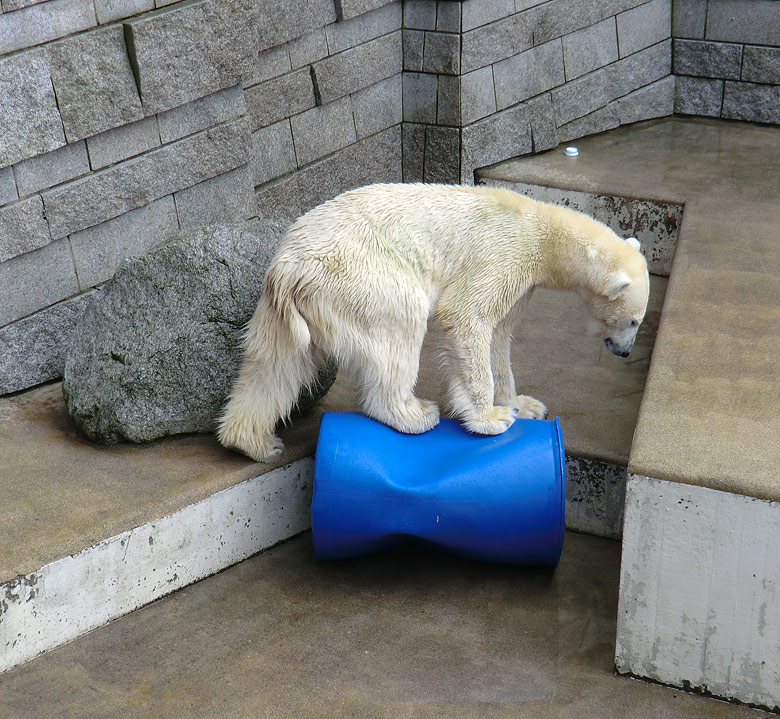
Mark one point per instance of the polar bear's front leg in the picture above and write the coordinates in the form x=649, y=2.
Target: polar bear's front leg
x=503, y=378
x=500, y=362
x=467, y=359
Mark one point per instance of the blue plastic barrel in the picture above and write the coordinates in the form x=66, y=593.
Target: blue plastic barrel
x=498, y=498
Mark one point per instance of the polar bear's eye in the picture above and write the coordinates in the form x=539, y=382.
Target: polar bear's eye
x=634, y=323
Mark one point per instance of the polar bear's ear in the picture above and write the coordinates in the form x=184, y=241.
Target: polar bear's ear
x=617, y=283
x=634, y=242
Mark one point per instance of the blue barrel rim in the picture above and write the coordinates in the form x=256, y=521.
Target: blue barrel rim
x=561, y=478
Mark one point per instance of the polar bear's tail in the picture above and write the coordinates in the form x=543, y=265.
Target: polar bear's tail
x=278, y=362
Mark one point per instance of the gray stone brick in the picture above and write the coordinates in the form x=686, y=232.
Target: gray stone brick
x=224, y=199
x=419, y=90
x=378, y=107
x=448, y=16
x=707, y=59
x=273, y=152
x=498, y=137
x=306, y=49
x=413, y=41
x=278, y=22
x=482, y=12
x=358, y=67
x=30, y=123
x=420, y=14
x=35, y=280
x=98, y=250
x=11, y=5
x=346, y=9
x=270, y=63
x=643, y=26
x=496, y=41
x=8, y=192
x=113, y=10
x=448, y=100
x=590, y=48
x=441, y=53
x=23, y=228
x=478, y=97
x=756, y=22
x=610, y=8
x=761, y=64
x=323, y=130
x=748, y=101
x=204, y=45
x=280, y=199
x=698, y=96
x=560, y=17
x=201, y=114
x=94, y=83
x=32, y=350
x=44, y=22
x=51, y=168
x=375, y=159
x=413, y=151
x=344, y=35
x=442, y=161
x=689, y=18
x=639, y=69
x=120, y=143
x=541, y=115
x=656, y=100
x=529, y=73
x=133, y=183
x=580, y=97
x=281, y=97
x=606, y=118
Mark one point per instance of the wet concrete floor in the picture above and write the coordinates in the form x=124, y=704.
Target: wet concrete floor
x=409, y=633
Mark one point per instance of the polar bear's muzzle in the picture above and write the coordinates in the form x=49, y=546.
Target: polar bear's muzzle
x=619, y=350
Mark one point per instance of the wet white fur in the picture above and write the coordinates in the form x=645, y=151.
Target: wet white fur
x=359, y=276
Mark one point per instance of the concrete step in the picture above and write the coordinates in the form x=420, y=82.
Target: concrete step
x=400, y=634
x=91, y=533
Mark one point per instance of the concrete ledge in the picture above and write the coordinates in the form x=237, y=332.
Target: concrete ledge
x=73, y=595
x=700, y=591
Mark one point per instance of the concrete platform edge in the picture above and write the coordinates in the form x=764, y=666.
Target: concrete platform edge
x=76, y=594
x=699, y=600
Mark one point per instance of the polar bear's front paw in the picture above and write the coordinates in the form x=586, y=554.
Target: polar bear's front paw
x=529, y=407
x=496, y=420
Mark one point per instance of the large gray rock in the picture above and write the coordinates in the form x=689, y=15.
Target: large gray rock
x=157, y=350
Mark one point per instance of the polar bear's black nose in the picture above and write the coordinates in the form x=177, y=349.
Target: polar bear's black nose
x=614, y=349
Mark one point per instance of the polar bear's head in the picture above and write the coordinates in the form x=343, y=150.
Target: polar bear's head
x=617, y=298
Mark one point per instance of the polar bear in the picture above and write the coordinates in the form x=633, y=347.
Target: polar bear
x=359, y=276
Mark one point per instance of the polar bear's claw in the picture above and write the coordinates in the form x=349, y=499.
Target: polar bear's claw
x=496, y=420
x=529, y=407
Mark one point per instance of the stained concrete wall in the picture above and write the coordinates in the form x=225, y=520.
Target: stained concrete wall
x=727, y=59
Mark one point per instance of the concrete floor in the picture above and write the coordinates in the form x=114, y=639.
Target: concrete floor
x=410, y=633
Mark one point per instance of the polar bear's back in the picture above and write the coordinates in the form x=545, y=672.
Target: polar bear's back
x=418, y=220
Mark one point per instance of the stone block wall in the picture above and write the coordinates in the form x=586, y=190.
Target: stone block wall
x=123, y=121
x=325, y=106
x=727, y=59
x=485, y=80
